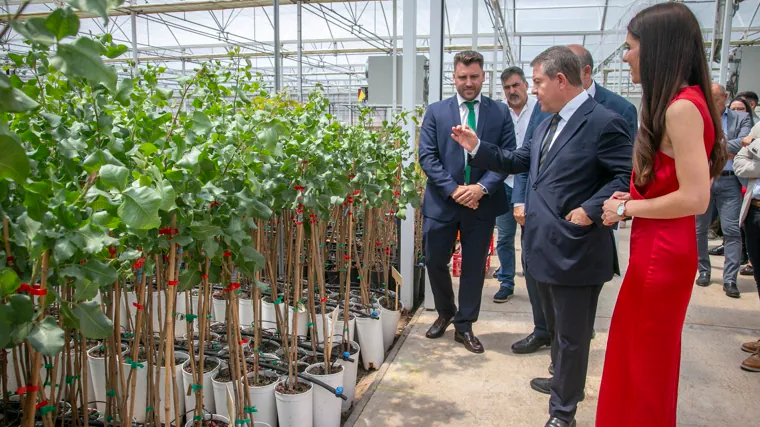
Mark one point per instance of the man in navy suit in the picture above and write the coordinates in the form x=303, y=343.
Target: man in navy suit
x=460, y=197
x=577, y=160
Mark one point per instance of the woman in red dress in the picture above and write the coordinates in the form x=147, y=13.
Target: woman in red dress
x=678, y=149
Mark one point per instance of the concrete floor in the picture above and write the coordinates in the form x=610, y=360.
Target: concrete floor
x=434, y=383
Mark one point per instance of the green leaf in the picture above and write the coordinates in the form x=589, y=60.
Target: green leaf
x=9, y=282
x=201, y=123
x=260, y=210
x=91, y=241
x=124, y=90
x=23, y=308
x=164, y=94
x=190, y=161
x=139, y=208
x=69, y=320
x=36, y=206
x=47, y=337
x=13, y=163
x=64, y=249
x=116, y=50
x=204, y=231
x=82, y=59
x=51, y=118
x=85, y=290
x=98, y=272
x=269, y=137
x=99, y=158
x=148, y=149
x=114, y=176
x=188, y=279
x=17, y=59
x=21, y=331
x=34, y=30
x=93, y=323
x=168, y=195
x=97, y=7
x=62, y=23
x=13, y=100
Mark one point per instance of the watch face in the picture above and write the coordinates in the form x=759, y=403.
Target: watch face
x=621, y=209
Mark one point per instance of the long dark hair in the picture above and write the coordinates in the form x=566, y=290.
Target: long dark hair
x=671, y=53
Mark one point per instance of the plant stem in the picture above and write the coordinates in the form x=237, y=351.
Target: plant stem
x=31, y=397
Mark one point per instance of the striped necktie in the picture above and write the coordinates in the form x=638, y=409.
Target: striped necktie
x=548, y=139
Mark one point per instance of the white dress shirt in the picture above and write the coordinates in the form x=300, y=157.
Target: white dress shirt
x=521, y=127
x=592, y=89
x=565, y=114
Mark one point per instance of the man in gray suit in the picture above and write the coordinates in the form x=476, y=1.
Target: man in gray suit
x=726, y=196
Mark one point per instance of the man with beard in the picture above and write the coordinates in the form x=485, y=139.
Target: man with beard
x=460, y=198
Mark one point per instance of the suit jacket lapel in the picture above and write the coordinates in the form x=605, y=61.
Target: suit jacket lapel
x=732, y=120
x=535, y=148
x=482, y=116
x=571, y=127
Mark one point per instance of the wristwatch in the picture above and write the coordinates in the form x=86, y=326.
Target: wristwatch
x=483, y=188
x=621, y=209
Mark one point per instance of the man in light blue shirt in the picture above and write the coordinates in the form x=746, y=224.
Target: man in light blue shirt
x=521, y=107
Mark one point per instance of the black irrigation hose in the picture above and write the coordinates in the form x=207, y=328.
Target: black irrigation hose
x=337, y=392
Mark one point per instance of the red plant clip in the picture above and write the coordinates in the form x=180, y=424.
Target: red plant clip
x=173, y=283
x=323, y=300
x=212, y=204
x=82, y=262
x=227, y=254
x=396, y=193
x=204, y=277
x=139, y=263
x=40, y=405
x=10, y=259
x=27, y=389
x=138, y=306
x=299, y=187
x=112, y=252
x=233, y=286
x=32, y=290
x=350, y=176
x=378, y=244
x=349, y=199
x=245, y=341
x=346, y=257
x=357, y=192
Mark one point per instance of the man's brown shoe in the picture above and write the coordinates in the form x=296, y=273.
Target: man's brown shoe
x=752, y=363
x=470, y=341
x=751, y=347
x=439, y=327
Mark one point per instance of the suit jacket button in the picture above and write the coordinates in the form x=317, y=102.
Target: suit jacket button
x=535, y=186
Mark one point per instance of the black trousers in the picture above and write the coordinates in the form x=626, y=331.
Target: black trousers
x=570, y=313
x=438, y=238
x=539, y=320
x=752, y=232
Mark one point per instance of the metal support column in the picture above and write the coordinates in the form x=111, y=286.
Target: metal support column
x=133, y=18
x=714, y=36
x=408, y=257
x=300, y=55
x=475, y=4
x=620, y=72
x=492, y=87
x=728, y=13
x=435, y=94
x=277, y=59
x=394, y=75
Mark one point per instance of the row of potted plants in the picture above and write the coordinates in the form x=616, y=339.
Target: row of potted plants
x=218, y=244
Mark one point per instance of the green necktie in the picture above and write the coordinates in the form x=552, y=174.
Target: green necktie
x=471, y=123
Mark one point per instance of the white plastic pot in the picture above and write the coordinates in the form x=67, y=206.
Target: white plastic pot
x=180, y=324
x=262, y=397
x=159, y=300
x=220, y=395
x=97, y=373
x=327, y=406
x=341, y=324
x=180, y=388
x=350, y=373
x=220, y=309
x=370, y=333
x=208, y=388
x=268, y=317
x=212, y=417
x=245, y=308
x=390, y=320
x=319, y=325
x=141, y=389
x=295, y=410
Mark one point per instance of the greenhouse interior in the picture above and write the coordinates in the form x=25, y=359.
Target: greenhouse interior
x=252, y=201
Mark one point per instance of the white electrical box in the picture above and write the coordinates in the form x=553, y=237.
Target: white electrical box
x=380, y=83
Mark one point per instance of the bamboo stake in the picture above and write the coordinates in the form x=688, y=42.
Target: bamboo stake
x=135, y=346
x=168, y=332
x=31, y=397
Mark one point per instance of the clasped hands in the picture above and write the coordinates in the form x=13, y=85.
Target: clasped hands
x=609, y=210
x=468, y=195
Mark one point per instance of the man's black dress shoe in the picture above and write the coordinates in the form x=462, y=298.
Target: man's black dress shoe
x=556, y=422
x=439, y=327
x=530, y=344
x=551, y=369
x=470, y=341
x=717, y=251
x=544, y=385
x=731, y=290
x=704, y=279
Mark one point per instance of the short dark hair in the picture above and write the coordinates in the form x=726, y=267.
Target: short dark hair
x=586, y=59
x=749, y=95
x=560, y=59
x=511, y=71
x=468, y=57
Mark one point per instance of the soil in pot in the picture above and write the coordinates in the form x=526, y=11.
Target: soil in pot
x=218, y=295
x=298, y=389
x=101, y=351
x=320, y=370
x=269, y=346
x=219, y=328
x=264, y=380
x=208, y=365
x=212, y=423
x=314, y=358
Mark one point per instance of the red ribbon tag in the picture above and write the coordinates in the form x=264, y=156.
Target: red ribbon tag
x=27, y=389
x=245, y=341
x=172, y=283
x=233, y=286
x=227, y=254
x=299, y=187
x=139, y=307
x=205, y=277
x=323, y=300
x=32, y=290
x=41, y=404
x=346, y=257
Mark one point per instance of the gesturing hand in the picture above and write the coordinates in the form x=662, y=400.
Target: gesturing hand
x=465, y=136
x=468, y=195
x=578, y=217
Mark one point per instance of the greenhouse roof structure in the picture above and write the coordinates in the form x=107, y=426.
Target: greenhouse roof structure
x=338, y=37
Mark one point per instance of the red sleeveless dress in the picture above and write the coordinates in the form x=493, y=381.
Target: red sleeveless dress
x=642, y=364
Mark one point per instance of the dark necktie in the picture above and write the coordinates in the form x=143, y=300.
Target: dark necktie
x=548, y=139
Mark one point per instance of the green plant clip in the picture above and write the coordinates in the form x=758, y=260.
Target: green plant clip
x=278, y=300
x=190, y=317
x=134, y=364
x=109, y=418
x=250, y=409
x=48, y=366
x=47, y=409
x=111, y=393
x=196, y=387
x=242, y=421
x=310, y=324
x=208, y=316
x=46, y=384
x=198, y=418
x=148, y=409
x=127, y=336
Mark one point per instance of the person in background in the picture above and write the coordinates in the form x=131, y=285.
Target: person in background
x=582, y=158
x=540, y=336
x=741, y=105
x=461, y=198
x=752, y=98
x=521, y=107
x=747, y=168
x=677, y=151
x=726, y=195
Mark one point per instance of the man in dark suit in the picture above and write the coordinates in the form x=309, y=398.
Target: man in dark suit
x=460, y=197
x=602, y=95
x=578, y=159
x=726, y=196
